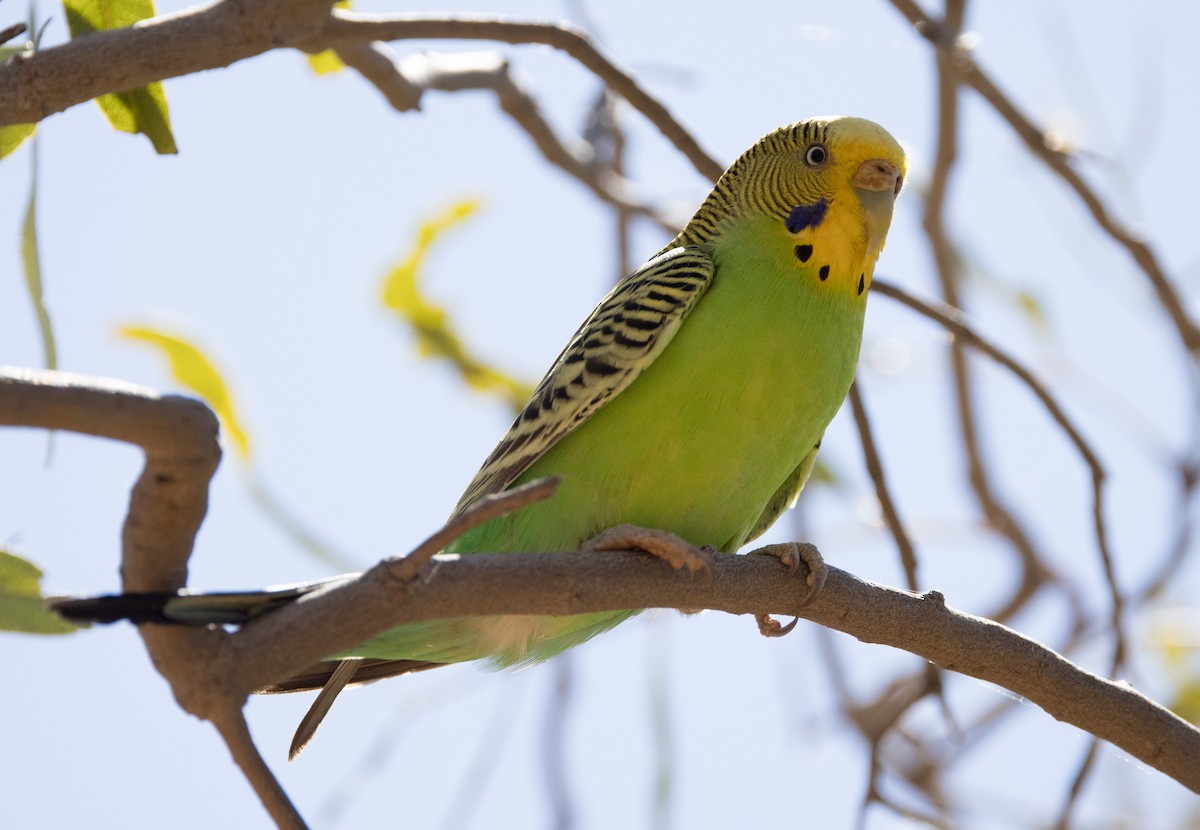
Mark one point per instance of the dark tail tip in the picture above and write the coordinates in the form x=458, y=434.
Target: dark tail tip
x=137, y=608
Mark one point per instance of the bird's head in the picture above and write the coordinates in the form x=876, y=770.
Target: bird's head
x=826, y=183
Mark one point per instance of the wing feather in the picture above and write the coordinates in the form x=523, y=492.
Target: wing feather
x=622, y=336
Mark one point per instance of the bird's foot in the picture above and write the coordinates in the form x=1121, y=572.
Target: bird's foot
x=666, y=546
x=790, y=555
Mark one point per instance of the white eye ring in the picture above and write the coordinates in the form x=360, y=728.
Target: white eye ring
x=816, y=155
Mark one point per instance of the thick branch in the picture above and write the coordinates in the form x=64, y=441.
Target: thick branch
x=34, y=85
x=178, y=435
x=573, y=583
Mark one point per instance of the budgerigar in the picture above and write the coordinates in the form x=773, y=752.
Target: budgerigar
x=693, y=399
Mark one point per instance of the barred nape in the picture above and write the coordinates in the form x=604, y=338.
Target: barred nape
x=722, y=203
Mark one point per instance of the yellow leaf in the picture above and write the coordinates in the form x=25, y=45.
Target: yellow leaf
x=195, y=372
x=12, y=136
x=431, y=324
x=142, y=110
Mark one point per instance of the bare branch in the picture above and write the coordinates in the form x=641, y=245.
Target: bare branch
x=212, y=671
x=908, y=556
x=346, y=25
x=34, y=85
x=178, y=435
x=231, y=724
x=484, y=510
x=403, y=82
x=1081, y=776
x=9, y=32
x=964, y=68
x=954, y=321
x=1034, y=571
x=575, y=583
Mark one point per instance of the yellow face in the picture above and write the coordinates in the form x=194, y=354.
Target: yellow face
x=828, y=186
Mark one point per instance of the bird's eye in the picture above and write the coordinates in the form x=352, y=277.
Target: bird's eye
x=816, y=155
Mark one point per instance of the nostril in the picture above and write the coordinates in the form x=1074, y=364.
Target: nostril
x=899, y=185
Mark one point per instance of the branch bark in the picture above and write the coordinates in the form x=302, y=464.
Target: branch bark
x=958, y=61
x=212, y=671
x=34, y=85
x=178, y=436
x=574, y=583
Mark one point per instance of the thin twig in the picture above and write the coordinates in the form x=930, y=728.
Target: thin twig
x=875, y=722
x=231, y=724
x=348, y=25
x=1033, y=568
x=954, y=321
x=958, y=61
x=1081, y=776
x=403, y=82
x=484, y=510
x=908, y=556
x=9, y=32
x=1189, y=478
x=554, y=743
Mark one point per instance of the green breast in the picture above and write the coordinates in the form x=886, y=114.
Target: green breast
x=702, y=439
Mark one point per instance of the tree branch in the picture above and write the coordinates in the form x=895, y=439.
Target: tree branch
x=954, y=321
x=403, y=83
x=575, y=583
x=36, y=84
x=887, y=505
x=953, y=59
x=178, y=435
x=346, y=25
x=212, y=671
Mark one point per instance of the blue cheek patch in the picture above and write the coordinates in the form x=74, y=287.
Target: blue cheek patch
x=807, y=216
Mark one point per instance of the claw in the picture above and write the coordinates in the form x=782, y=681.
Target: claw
x=790, y=555
x=770, y=627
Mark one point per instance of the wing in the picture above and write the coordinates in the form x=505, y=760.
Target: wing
x=624, y=334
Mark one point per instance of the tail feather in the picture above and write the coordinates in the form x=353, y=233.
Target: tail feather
x=236, y=608
x=331, y=677
x=317, y=675
x=180, y=608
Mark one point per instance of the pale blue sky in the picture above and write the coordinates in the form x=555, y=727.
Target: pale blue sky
x=266, y=238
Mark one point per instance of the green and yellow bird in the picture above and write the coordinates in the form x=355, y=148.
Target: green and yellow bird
x=691, y=401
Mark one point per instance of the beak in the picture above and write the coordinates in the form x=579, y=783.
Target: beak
x=879, y=176
x=877, y=183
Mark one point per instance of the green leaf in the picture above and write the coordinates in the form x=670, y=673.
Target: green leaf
x=22, y=606
x=12, y=136
x=141, y=110
x=436, y=336
x=32, y=264
x=194, y=371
